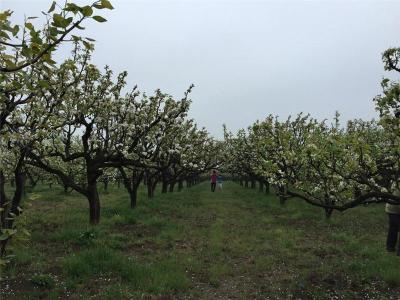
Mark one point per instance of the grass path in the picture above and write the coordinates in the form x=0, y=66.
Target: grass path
x=234, y=244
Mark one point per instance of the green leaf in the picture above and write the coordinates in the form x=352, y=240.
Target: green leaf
x=43, y=83
x=4, y=16
x=15, y=30
x=76, y=38
x=17, y=85
x=26, y=232
x=72, y=7
x=68, y=21
x=53, y=31
x=4, y=34
x=3, y=262
x=11, y=231
x=90, y=39
x=6, y=27
x=59, y=21
x=52, y=7
x=9, y=63
x=106, y=4
x=29, y=26
x=87, y=11
x=7, y=233
x=99, y=19
x=31, y=18
x=87, y=45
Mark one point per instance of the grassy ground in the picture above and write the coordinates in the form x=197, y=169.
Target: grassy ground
x=234, y=244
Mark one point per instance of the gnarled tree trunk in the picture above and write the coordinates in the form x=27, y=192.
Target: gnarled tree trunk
x=9, y=217
x=131, y=184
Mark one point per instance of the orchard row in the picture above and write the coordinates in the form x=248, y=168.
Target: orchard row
x=77, y=125
x=330, y=165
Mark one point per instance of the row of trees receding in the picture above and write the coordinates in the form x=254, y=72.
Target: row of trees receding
x=77, y=125
x=330, y=165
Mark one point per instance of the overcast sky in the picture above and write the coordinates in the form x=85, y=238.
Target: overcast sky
x=247, y=58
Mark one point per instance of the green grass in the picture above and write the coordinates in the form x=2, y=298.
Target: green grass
x=43, y=280
x=238, y=243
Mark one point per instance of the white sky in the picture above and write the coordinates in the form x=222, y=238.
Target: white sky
x=247, y=58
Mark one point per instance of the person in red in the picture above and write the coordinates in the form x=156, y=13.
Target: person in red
x=213, y=180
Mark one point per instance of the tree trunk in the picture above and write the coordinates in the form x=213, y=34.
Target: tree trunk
x=153, y=188
x=164, y=187
x=261, y=186
x=266, y=187
x=131, y=184
x=23, y=183
x=253, y=184
x=282, y=198
x=19, y=192
x=171, y=186
x=14, y=210
x=32, y=181
x=357, y=192
x=246, y=184
x=105, y=184
x=94, y=204
x=180, y=185
x=2, y=199
x=149, y=188
x=133, y=195
x=328, y=212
